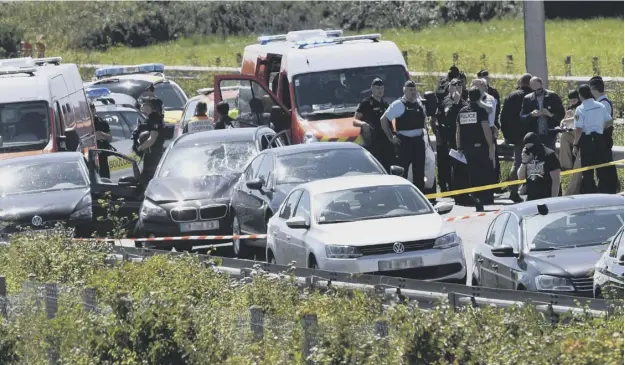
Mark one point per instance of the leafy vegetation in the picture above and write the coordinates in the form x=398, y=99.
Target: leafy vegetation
x=177, y=310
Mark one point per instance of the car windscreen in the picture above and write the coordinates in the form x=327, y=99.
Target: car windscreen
x=133, y=88
x=573, y=228
x=208, y=159
x=190, y=111
x=366, y=203
x=24, y=126
x=338, y=92
x=37, y=177
x=172, y=97
x=298, y=168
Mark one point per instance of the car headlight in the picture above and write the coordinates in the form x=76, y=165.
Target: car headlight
x=309, y=138
x=447, y=241
x=553, y=283
x=342, y=252
x=149, y=209
x=84, y=211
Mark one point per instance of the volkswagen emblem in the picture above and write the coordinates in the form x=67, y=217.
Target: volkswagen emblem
x=398, y=247
x=37, y=221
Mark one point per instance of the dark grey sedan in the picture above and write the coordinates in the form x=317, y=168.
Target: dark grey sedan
x=548, y=245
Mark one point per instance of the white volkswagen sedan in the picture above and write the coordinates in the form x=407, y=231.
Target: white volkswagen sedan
x=374, y=224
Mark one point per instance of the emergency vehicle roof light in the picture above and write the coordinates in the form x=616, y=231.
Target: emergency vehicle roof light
x=17, y=70
x=334, y=33
x=271, y=38
x=97, y=92
x=17, y=62
x=337, y=40
x=48, y=60
x=373, y=37
x=129, y=70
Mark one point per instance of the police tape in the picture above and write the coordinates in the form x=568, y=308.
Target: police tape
x=181, y=238
x=465, y=217
x=514, y=182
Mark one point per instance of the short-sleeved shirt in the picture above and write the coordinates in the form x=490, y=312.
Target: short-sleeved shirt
x=492, y=102
x=606, y=103
x=101, y=126
x=539, y=175
x=372, y=111
x=155, y=123
x=591, y=117
x=397, y=109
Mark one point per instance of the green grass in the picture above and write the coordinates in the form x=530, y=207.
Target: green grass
x=580, y=39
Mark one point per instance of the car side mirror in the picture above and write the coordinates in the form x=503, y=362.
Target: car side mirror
x=443, y=208
x=128, y=181
x=297, y=223
x=168, y=132
x=70, y=140
x=620, y=261
x=397, y=170
x=255, y=184
x=503, y=251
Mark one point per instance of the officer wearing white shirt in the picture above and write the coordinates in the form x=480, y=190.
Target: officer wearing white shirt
x=409, y=115
x=590, y=120
x=608, y=181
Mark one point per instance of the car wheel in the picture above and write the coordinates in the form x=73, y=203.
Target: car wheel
x=312, y=263
x=271, y=258
x=598, y=294
x=241, y=250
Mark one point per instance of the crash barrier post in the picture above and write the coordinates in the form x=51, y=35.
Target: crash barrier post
x=310, y=325
x=51, y=299
x=89, y=299
x=3, y=297
x=257, y=322
x=514, y=182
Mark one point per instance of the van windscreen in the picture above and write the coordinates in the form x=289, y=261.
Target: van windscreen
x=338, y=92
x=24, y=126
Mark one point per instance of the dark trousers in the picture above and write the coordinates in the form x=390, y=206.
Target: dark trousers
x=105, y=171
x=384, y=152
x=592, y=149
x=518, y=149
x=608, y=178
x=412, y=151
x=480, y=170
x=150, y=163
x=443, y=164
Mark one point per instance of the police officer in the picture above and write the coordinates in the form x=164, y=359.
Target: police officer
x=367, y=118
x=541, y=167
x=446, y=134
x=224, y=120
x=567, y=139
x=590, y=120
x=409, y=114
x=151, y=147
x=474, y=139
x=483, y=74
x=608, y=178
x=150, y=92
x=200, y=121
x=104, y=138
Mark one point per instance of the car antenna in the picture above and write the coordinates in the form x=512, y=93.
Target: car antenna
x=542, y=209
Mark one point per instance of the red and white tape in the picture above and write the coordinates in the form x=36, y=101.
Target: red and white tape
x=464, y=217
x=202, y=238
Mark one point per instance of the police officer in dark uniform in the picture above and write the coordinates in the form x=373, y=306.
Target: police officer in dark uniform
x=446, y=133
x=104, y=138
x=367, y=118
x=409, y=114
x=474, y=139
x=149, y=139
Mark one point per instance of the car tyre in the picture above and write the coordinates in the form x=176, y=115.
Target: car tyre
x=312, y=263
x=239, y=246
x=271, y=258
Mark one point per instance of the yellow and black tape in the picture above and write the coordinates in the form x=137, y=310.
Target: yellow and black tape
x=514, y=182
x=355, y=139
x=116, y=163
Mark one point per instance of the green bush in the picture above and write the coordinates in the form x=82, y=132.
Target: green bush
x=10, y=37
x=178, y=310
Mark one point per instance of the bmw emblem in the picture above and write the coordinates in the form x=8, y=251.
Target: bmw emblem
x=398, y=247
x=37, y=221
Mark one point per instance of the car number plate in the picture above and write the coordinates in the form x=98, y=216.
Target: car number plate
x=400, y=264
x=199, y=226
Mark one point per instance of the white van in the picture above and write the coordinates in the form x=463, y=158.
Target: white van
x=43, y=108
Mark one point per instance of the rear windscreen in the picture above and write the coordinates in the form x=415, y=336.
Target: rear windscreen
x=24, y=126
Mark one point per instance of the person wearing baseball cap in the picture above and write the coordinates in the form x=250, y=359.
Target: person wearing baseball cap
x=541, y=168
x=609, y=176
x=367, y=118
x=409, y=114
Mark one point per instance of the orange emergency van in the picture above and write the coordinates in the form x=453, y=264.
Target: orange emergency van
x=310, y=82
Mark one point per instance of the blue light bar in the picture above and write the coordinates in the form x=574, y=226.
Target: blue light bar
x=336, y=40
x=271, y=38
x=97, y=92
x=129, y=70
x=317, y=42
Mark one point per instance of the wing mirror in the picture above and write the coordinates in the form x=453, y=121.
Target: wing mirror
x=397, y=170
x=297, y=223
x=128, y=181
x=70, y=140
x=255, y=184
x=620, y=261
x=503, y=251
x=443, y=208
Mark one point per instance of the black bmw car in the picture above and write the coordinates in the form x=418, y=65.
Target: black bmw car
x=37, y=192
x=548, y=245
x=191, y=190
x=270, y=176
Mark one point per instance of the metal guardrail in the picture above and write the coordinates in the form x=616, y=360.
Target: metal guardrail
x=411, y=288
x=200, y=69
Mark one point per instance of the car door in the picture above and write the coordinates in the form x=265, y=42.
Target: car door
x=296, y=238
x=484, y=258
x=613, y=269
x=508, y=268
x=116, y=200
x=261, y=198
x=242, y=201
x=284, y=252
x=256, y=104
